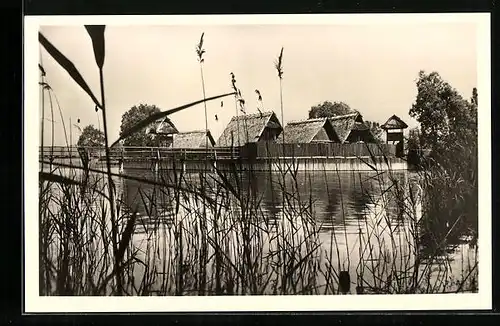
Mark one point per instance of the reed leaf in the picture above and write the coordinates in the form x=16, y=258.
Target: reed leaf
x=68, y=66
x=44, y=176
x=279, y=64
x=45, y=85
x=372, y=156
x=96, y=33
x=127, y=235
x=142, y=180
x=42, y=71
x=373, y=167
x=225, y=183
x=293, y=268
x=259, y=96
x=152, y=118
x=199, y=48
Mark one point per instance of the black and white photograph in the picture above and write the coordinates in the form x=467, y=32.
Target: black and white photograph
x=239, y=162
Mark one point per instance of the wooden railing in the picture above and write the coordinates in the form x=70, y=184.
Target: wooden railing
x=62, y=152
x=137, y=153
x=181, y=153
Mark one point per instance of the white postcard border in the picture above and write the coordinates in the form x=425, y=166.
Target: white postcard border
x=35, y=303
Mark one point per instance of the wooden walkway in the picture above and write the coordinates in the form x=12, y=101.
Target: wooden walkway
x=48, y=153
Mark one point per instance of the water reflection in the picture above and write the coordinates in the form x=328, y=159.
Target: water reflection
x=340, y=200
x=337, y=199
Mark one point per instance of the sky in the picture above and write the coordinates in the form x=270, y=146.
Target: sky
x=372, y=67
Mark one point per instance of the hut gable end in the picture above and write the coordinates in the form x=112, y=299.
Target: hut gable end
x=307, y=131
x=321, y=135
x=351, y=128
x=192, y=139
x=343, y=124
x=163, y=126
x=250, y=128
x=394, y=122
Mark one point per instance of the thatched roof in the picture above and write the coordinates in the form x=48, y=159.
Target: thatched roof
x=394, y=122
x=248, y=128
x=164, y=126
x=192, y=139
x=304, y=131
x=360, y=126
x=343, y=124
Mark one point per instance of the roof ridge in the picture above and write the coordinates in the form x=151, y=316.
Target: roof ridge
x=345, y=115
x=307, y=120
x=192, y=131
x=252, y=115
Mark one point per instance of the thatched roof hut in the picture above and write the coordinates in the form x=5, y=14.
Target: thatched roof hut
x=163, y=127
x=351, y=128
x=250, y=128
x=394, y=122
x=307, y=131
x=193, y=139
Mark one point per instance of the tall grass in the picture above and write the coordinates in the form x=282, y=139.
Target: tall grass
x=182, y=233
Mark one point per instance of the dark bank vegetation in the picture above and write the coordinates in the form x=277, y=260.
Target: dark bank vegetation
x=445, y=147
x=207, y=233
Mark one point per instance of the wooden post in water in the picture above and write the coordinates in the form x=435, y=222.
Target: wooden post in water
x=156, y=160
x=120, y=160
x=120, y=166
x=215, y=158
x=184, y=161
x=344, y=282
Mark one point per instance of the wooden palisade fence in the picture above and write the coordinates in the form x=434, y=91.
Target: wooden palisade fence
x=329, y=150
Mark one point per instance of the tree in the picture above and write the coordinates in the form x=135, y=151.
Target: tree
x=413, y=147
x=329, y=109
x=131, y=117
x=474, y=96
x=91, y=137
x=444, y=116
x=413, y=141
x=375, y=129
